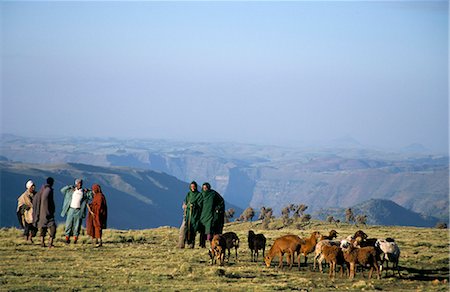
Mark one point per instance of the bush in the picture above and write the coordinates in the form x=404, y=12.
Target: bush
x=441, y=225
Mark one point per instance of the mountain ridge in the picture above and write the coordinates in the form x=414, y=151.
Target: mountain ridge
x=381, y=212
x=137, y=199
x=261, y=175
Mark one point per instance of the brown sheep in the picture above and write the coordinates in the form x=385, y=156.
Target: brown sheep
x=361, y=234
x=255, y=243
x=332, y=235
x=287, y=244
x=334, y=256
x=310, y=244
x=363, y=256
x=217, y=251
x=318, y=257
x=359, y=242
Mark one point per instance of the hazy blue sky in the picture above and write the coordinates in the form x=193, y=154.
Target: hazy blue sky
x=259, y=72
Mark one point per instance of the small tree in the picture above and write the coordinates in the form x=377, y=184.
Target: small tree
x=441, y=225
x=330, y=219
x=349, y=217
x=306, y=218
x=301, y=209
x=266, y=215
x=262, y=213
x=285, y=215
x=229, y=214
x=248, y=214
x=297, y=210
x=361, y=219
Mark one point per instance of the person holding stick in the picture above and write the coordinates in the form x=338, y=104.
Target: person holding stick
x=192, y=210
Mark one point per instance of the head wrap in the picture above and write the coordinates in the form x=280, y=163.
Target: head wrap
x=208, y=186
x=29, y=184
x=96, y=188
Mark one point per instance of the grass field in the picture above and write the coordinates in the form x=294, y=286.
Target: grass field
x=149, y=260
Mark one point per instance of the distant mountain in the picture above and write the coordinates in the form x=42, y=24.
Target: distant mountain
x=137, y=199
x=415, y=148
x=340, y=174
x=381, y=212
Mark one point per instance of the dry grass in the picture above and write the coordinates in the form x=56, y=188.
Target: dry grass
x=149, y=260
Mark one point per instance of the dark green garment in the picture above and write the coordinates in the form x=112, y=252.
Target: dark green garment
x=193, y=203
x=213, y=209
x=219, y=214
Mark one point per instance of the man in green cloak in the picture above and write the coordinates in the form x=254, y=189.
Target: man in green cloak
x=212, y=215
x=193, y=203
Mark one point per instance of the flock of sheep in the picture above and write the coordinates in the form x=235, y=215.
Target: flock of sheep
x=356, y=249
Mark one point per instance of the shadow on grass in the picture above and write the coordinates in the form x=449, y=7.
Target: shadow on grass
x=425, y=274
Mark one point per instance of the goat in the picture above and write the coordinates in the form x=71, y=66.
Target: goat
x=287, y=244
x=255, y=243
x=309, y=245
x=391, y=253
x=334, y=256
x=217, y=251
x=363, y=256
x=231, y=240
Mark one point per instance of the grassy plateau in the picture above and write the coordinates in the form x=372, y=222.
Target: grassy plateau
x=149, y=260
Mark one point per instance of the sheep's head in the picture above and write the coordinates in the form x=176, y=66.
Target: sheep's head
x=378, y=242
x=345, y=244
x=316, y=235
x=333, y=234
x=357, y=241
x=361, y=234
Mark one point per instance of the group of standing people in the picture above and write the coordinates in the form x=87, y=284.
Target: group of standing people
x=204, y=213
x=36, y=211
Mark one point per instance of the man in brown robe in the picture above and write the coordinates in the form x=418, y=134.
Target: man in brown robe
x=25, y=211
x=44, y=212
x=97, y=215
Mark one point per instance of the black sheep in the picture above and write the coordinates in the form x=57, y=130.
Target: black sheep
x=255, y=243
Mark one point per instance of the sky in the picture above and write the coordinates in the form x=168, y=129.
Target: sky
x=282, y=73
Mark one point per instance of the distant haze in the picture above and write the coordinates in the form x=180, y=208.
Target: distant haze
x=260, y=72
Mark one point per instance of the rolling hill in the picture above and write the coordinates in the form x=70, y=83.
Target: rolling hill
x=264, y=175
x=137, y=198
x=381, y=212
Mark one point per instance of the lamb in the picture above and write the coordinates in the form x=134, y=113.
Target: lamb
x=231, y=240
x=318, y=256
x=255, y=243
x=390, y=253
x=287, y=244
x=363, y=256
x=332, y=235
x=217, y=251
x=334, y=256
x=309, y=245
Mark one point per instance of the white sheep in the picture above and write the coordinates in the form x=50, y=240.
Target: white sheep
x=390, y=253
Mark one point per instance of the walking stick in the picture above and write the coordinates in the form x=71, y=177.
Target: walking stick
x=189, y=222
